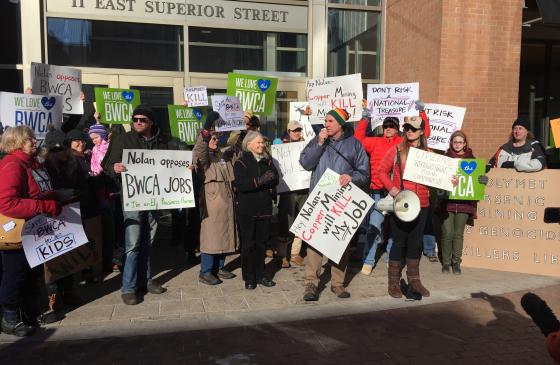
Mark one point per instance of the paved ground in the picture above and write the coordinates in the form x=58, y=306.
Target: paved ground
x=468, y=319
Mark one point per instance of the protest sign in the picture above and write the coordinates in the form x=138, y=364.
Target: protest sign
x=343, y=92
x=392, y=100
x=331, y=215
x=468, y=187
x=286, y=159
x=509, y=232
x=157, y=179
x=231, y=113
x=444, y=120
x=185, y=123
x=35, y=111
x=116, y=105
x=195, y=96
x=45, y=238
x=297, y=113
x=555, y=130
x=59, y=80
x=430, y=169
x=256, y=93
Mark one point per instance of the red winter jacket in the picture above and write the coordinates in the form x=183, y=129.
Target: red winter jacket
x=376, y=147
x=389, y=164
x=24, y=181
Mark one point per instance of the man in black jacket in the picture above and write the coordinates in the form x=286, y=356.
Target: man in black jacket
x=136, y=276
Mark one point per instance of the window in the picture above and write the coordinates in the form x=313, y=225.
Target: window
x=223, y=50
x=94, y=43
x=357, y=2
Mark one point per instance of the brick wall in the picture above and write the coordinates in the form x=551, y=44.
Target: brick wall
x=466, y=54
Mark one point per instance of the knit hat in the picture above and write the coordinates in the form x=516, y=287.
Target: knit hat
x=74, y=135
x=211, y=118
x=145, y=110
x=391, y=121
x=99, y=129
x=340, y=115
x=522, y=122
x=54, y=139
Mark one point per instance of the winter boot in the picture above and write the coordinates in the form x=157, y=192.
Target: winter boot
x=12, y=324
x=394, y=274
x=413, y=277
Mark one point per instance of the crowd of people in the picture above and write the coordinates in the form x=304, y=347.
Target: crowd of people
x=235, y=180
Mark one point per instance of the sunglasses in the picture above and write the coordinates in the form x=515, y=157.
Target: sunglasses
x=140, y=120
x=387, y=126
x=408, y=127
x=296, y=130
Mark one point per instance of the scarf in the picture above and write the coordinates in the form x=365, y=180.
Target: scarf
x=97, y=154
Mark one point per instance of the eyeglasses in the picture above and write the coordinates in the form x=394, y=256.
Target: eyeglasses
x=140, y=120
x=408, y=127
x=458, y=142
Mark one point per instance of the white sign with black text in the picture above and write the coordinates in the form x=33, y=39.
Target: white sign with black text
x=430, y=169
x=59, y=80
x=231, y=113
x=195, y=96
x=444, y=120
x=286, y=159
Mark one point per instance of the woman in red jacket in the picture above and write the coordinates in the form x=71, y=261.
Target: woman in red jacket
x=407, y=236
x=24, y=185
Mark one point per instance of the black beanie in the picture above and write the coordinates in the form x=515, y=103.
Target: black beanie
x=55, y=139
x=210, y=119
x=521, y=122
x=74, y=135
x=145, y=110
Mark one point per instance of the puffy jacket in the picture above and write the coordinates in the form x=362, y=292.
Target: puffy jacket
x=24, y=181
x=376, y=147
x=253, y=200
x=388, y=165
x=528, y=158
x=318, y=158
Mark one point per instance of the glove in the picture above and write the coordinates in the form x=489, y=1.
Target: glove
x=488, y=168
x=206, y=135
x=419, y=105
x=50, y=207
x=507, y=165
x=483, y=179
x=265, y=178
x=365, y=113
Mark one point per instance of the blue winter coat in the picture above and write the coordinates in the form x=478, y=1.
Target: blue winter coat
x=318, y=158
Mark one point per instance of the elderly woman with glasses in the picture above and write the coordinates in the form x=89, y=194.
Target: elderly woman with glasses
x=24, y=193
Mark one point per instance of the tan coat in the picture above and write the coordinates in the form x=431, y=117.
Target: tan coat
x=218, y=230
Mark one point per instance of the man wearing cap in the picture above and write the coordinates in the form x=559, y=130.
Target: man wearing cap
x=289, y=206
x=136, y=276
x=522, y=152
x=376, y=148
x=333, y=148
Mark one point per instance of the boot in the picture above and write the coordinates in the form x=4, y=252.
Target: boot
x=413, y=276
x=394, y=274
x=12, y=324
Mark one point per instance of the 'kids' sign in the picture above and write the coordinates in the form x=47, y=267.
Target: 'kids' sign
x=468, y=187
x=256, y=93
x=35, y=111
x=116, y=105
x=59, y=80
x=185, y=122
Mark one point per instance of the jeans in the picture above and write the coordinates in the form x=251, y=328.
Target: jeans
x=140, y=230
x=429, y=244
x=374, y=236
x=211, y=263
x=19, y=288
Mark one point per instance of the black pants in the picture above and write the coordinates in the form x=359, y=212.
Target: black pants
x=408, y=236
x=255, y=233
x=19, y=288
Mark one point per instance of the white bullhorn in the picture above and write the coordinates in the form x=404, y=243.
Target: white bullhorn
x=406, y=205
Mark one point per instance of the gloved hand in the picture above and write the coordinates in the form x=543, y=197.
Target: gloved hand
x=206, y=135
x=265, y=178
x=419, y=105
x=488, y=168
x=483, y=179
x=507, y=165
x=50, y=207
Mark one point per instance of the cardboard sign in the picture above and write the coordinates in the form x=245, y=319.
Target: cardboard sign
x=297, y=113
x=392, y=100
x=509, y=233
x=157, y=179
x=59, y=80
x=555, y=129
x=256, y=93
x=35, y=111
x=468, y=187
x=185, y=123
x=430, y=169
x=343, y=92
x=231, y=113
x=331, y=215
x=45, y=238
x=286, y=159
x=195, y=96
x=444, y=120
x=116, y=105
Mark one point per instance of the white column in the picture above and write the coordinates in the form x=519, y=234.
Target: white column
x=30, y=37
x=319, y=38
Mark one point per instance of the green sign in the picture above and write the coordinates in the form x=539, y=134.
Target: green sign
x=116, y=105
x=256, y=93
x=185, y=123
x=468, y=187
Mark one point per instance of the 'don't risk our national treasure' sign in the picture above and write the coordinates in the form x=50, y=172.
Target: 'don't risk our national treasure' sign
x=331, y=215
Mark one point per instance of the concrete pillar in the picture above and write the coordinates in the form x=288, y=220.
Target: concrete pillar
x=30, y=37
